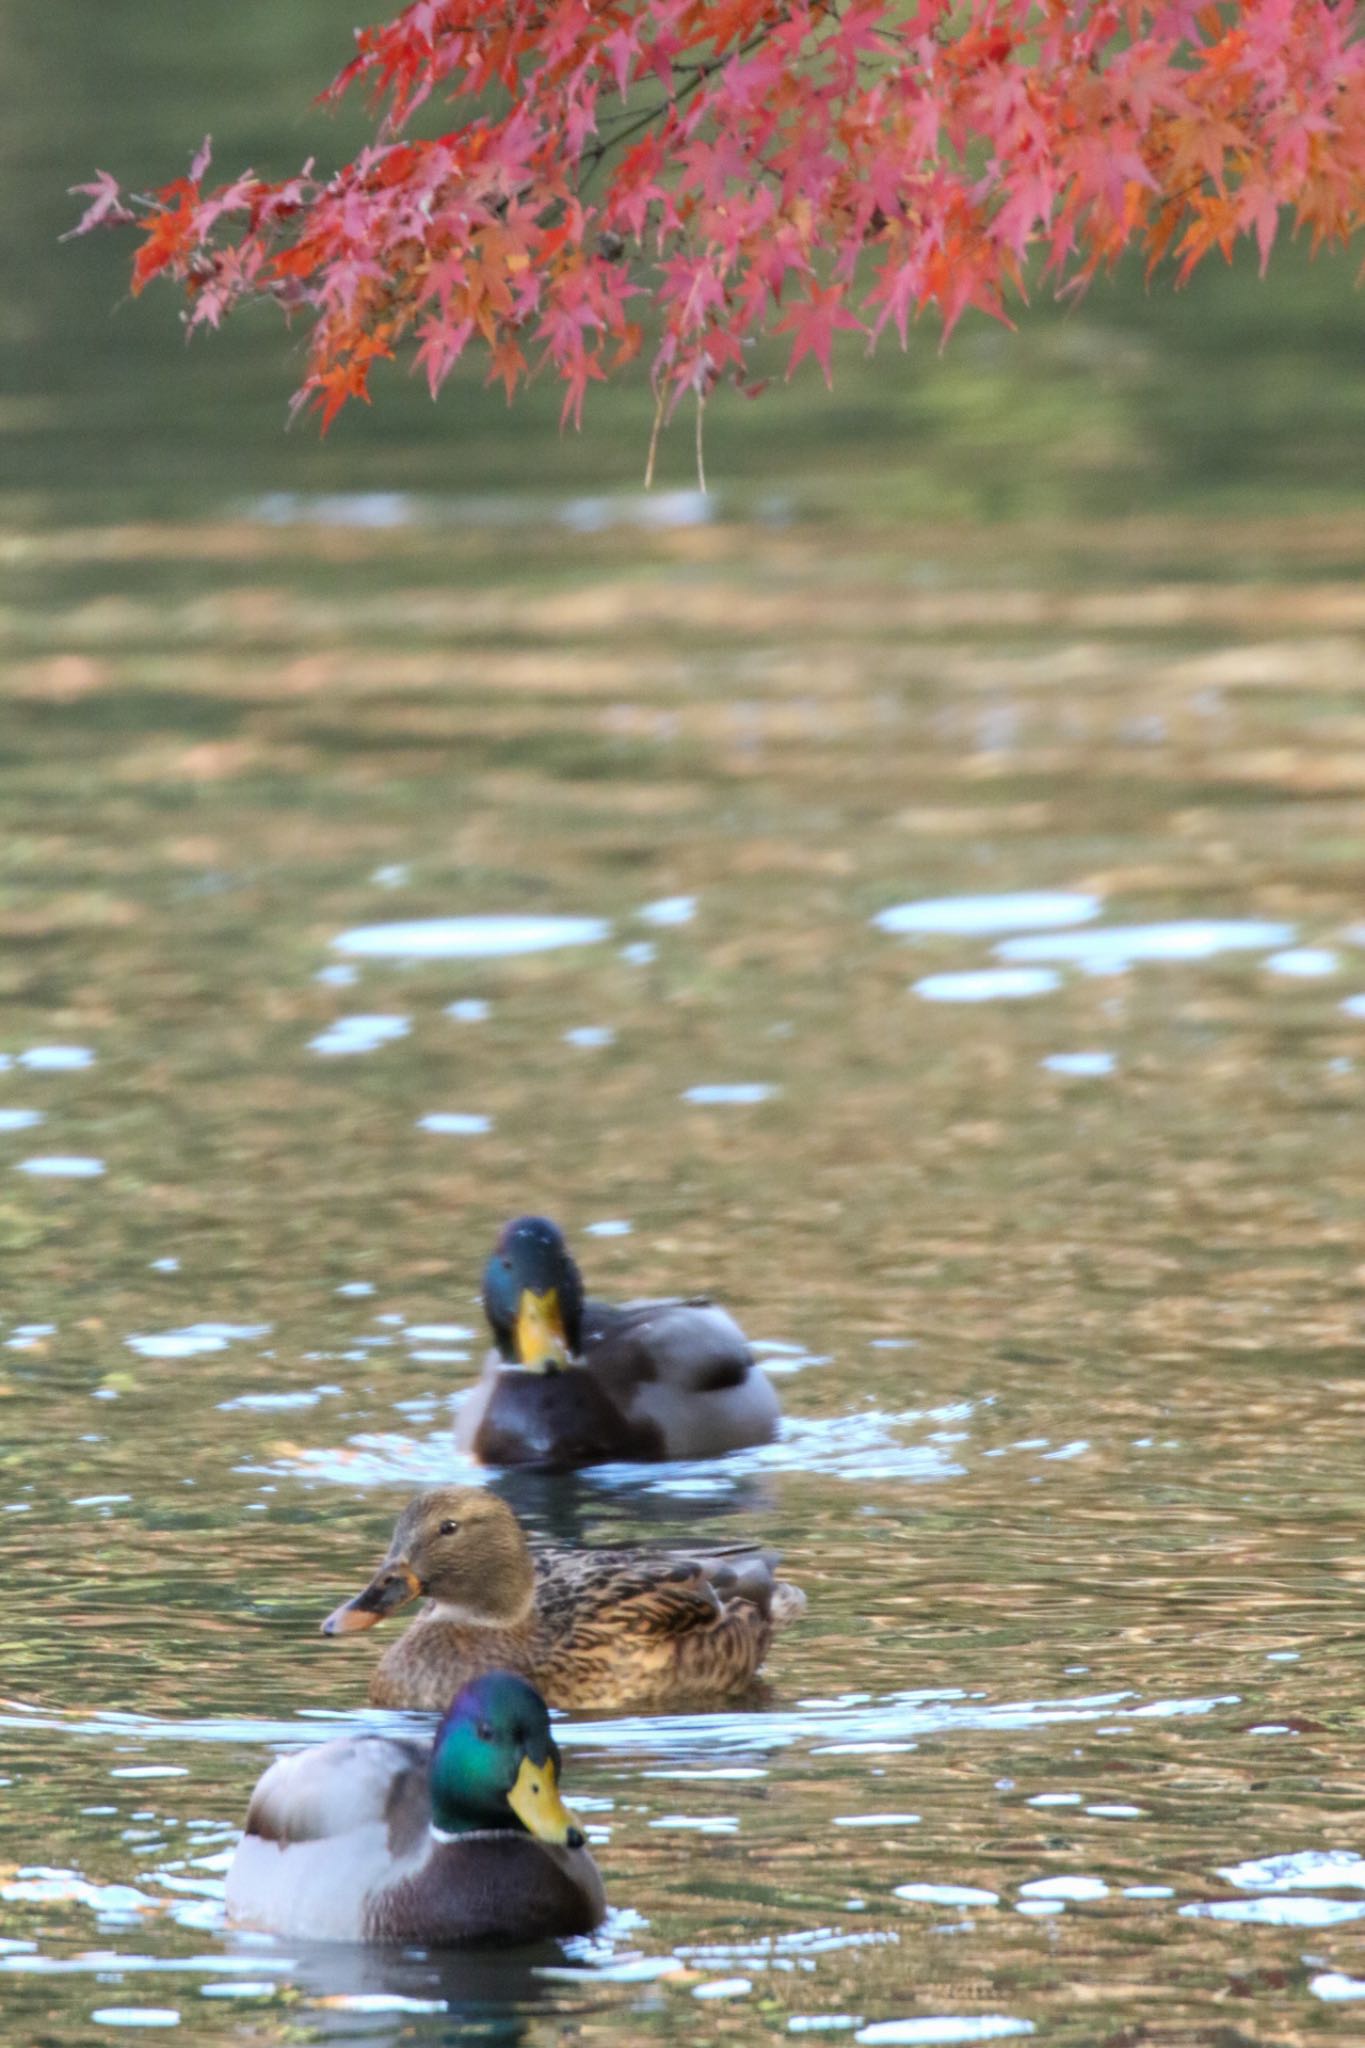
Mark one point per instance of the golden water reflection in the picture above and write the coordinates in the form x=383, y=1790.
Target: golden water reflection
x=1063, y=1290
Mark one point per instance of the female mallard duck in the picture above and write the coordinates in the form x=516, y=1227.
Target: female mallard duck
x=372, y=1838
x=573, y=1382
x=605, y=1628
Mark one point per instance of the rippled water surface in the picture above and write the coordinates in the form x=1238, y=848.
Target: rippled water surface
x=953, y=955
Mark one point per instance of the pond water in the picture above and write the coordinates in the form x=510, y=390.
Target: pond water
x=950, y=953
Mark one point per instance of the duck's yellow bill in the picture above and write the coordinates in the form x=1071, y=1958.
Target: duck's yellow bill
x=541, y=1341
x=535, y=1801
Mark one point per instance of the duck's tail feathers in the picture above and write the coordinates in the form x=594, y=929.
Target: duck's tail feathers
x=752, y=1576
x=788, y=1603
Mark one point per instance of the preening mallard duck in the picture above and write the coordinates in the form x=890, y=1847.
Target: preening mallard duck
x=372, y=1838
x=605, y=1628
x=574, y=1382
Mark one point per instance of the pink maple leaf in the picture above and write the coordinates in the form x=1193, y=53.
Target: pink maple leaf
x=106, y=208
x=813, y=322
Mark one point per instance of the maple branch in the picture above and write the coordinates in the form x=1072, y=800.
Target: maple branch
x=674, y=102
x=922, y=161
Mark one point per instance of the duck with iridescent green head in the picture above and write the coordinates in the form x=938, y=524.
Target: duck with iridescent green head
x=572, y=1381
x=379, y=1839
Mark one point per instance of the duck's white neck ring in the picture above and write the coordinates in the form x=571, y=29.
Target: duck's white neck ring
x=472, y=1617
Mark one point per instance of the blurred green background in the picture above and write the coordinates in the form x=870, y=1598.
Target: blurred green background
x=1235, y=396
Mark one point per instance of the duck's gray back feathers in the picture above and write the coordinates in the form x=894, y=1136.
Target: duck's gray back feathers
x=338, y=1787
x=658, y=1379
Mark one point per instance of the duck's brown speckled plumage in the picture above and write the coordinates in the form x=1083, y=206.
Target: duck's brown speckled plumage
x=605, y=1630
x=589, y=1629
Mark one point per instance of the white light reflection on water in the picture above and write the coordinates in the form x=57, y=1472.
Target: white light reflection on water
x=718, y=1094
x=1278, y=1911
x=62, y=1166
x=40, y=1884
x=669, y=910
x=57, y=1059
x=987, y=985
x=780, y=1361
x=686, y=1823
x=280, y=1401
x=1068, y=1888
x=1112, y=949
x=351, y=1035
x=946, y=1895
x=868, y=1445
x=244, y=1988
x=196, y=1340
x=943, y=2028
x=133, y=1963
x=470, y=938
x=372, y=511
x=876, y=1820
x=1300, y=1870
x=940, y=1711
x=1304, y=963
x=391, y=511
x=1335, y=1986
x=1018, y=910
x=136, y=2016
x=606, y=1969
x=654, y=511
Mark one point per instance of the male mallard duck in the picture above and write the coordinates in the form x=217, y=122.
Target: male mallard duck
x=605, y=1628
x=573, y=1382
x=372, y=1838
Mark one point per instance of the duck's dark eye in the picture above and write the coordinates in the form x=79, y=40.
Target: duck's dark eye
x=448, y=1528
x=485, y=1731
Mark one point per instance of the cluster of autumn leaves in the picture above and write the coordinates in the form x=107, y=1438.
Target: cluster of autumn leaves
x=701, y=174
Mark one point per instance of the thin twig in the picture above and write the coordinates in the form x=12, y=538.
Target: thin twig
x=654, y=442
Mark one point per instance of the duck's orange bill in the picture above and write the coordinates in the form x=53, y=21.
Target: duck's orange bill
x=541, y=1341
x=535, y=1801
x=391, y=1588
